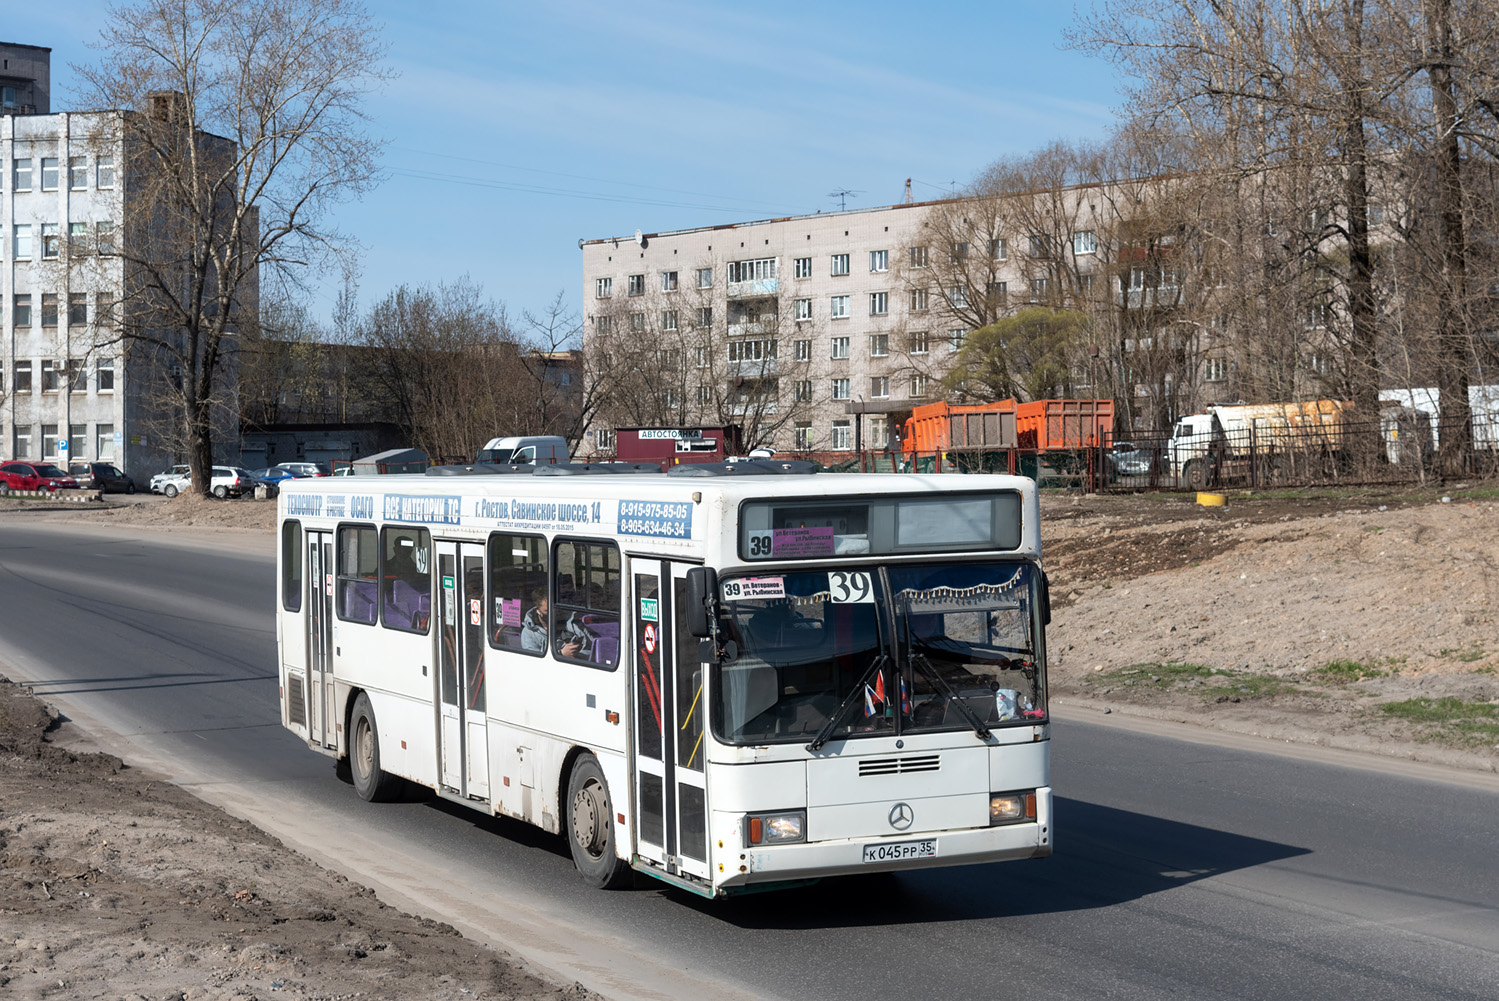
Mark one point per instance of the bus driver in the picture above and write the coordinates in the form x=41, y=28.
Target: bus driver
x=533, y=629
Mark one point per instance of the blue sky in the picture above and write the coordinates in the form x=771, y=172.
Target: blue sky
x=515, y=129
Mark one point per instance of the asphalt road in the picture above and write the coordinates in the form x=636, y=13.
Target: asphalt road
x=1182, y=869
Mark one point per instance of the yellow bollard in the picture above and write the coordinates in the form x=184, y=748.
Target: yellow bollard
x=1211, y=500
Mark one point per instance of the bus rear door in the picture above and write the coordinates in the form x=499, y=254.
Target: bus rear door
x=321, y=729
x=463, y=735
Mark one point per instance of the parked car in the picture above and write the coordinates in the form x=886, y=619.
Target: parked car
x=226, y=481
x=1125, y=458
x=271, y=477
x=19, y=476
x=101, y=476
x=306, y=468
x=159, y=481
x=53, y=477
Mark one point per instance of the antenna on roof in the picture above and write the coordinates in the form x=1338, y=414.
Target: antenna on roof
x=907, y=199
x=843, y=195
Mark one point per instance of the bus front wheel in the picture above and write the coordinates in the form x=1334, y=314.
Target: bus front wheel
x=371, y=782
x=590, y=827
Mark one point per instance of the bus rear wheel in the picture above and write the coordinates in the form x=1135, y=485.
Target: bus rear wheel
x=371, y=782
x=590, y=827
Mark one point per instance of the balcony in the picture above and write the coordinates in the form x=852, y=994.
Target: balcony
x=749, y=290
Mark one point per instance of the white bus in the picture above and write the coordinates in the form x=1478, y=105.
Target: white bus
x=732, y=677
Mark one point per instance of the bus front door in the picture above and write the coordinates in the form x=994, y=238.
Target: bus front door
x=463, y=735
x=321, y=729
x=669, y=705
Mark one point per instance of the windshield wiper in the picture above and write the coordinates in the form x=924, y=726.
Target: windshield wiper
x=826, y=732
x=920, y=662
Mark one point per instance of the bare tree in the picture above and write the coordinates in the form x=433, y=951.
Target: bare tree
x=240, y=123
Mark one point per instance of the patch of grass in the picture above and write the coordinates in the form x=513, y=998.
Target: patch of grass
x=1249, y=686
x=1209, y=682
x=1157, y=674
x=1466, y=655
x=1348, y=671
x=1451, y=719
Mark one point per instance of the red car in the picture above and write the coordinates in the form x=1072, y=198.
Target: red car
x=35, y=476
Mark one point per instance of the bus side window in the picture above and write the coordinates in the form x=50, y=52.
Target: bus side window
x=406, y=579
x=586, y=607
x=358, y=572
x=517, y=587
x=291, y=566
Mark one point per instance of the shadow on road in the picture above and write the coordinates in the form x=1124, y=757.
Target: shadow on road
x=1104, y=856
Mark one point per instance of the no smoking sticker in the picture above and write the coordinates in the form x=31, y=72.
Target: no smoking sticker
x=475, y=612
x=650, y=637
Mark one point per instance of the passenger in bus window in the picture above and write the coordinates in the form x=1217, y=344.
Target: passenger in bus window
x=533, y=629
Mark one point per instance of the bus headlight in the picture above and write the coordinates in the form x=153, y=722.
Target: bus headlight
x=1011, y=807
x=775, y=828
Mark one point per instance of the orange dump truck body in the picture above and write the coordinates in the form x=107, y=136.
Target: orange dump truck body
x=1042, y=425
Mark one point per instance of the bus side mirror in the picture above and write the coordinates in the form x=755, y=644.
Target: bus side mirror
x=702, y=592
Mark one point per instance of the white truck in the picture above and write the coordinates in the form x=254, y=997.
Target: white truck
x=1256, y=444
x=539, y=448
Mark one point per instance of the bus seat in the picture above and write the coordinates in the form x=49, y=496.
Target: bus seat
x=359, y=600
x=606, y=648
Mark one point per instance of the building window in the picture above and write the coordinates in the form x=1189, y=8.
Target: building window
x=879, y=345
x=635, y=285
x=999, y=250
x=803, y=350
x=106, y=237
x=669, y=399
x=49, y=441
x=704, y=395
x=879, y=303
x=840, y=264
x=801, y=267
x=668, y=281
x=1320, y=364
x=879, y=387
x=803, y=310
x=668, y=319
x=751, y=350
x=1316, y=316
x=958, y=298
x=51, y=241
x=839, y=307
x=840, y=389
x=637, y=322
x=705, y=316
x=23, y=378
x=603, y=288
x=998, y=293
x=702, y=354
x=919, y=342
x=50, y=375
x=49, y=309
x=918, y=257
x=22, y=171
x=104, y=442
x=49, y=173
x=960, y=251
x=77, y=440
x=1085, y=241
x=22, y=449
x=879, y=260
x=879, y=432
x=1040, y=245
x=803, y=390
x=105, y=375
x=1215, y=369
x=1085, y=284
x=842, y=436
x=1039, y=288
x=77, y=376
x=605, y=439
x=23, y=241
x=603, y=324
x=104, y=170
x=1375, y=214
x=918, y=387
x=77, y=172
x=704, y=277
x=77, y=238
x=77, y=308
x=761, y=269
x=840, y=347
x=21, y=309
x=801, y=436
x=919, y=299
x=955, y=339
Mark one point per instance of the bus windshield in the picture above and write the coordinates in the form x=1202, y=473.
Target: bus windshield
x=904, y=649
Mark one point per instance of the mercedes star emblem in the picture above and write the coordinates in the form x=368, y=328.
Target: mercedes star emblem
x=901, y=816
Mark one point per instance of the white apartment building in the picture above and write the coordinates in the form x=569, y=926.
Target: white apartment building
x=850, y=336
